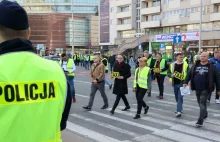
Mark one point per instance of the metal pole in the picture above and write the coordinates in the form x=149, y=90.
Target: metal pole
x=200, y=27
x=73, y=31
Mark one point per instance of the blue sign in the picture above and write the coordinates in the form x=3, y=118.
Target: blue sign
x=139, y=45
x=162, y=45
x=177, y=39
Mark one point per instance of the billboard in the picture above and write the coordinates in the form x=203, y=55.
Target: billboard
x=104, y=22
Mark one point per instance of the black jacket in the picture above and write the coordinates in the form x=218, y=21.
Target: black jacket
x=120, y=85
x=213, y=77
x=112, y=59
x=18, y=45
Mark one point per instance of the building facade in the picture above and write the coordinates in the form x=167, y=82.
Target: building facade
x=51, y=22
x=156, y=22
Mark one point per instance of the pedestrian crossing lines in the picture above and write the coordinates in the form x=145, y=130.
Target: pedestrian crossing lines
x=100, y=126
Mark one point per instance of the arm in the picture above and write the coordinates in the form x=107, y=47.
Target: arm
x=102, y=73
x=188, y=77
x=166, y=67
x=169, y=73
x=149, y=80
x=66, y=108
x=74, y=68
x=128, y=72
x=216, y=78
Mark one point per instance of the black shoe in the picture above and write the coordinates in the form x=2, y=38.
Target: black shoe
x=112, y=112
x=137, y=116
x=146, y=110
x=110, y=87
x=87, y=107
x=104, y=107
x=126, y=108
x=199, y=123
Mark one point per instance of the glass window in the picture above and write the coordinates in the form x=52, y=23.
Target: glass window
x=155, y=17
x=112, y=9
x=166, y=1
x=112, y=22
x=165, y=15
x=193, y=10
x=183, y=29
x=166, y=30
x=189, y=28
x=187, y=12
x=125, y=9
x=156, y=3
x=182, y=12
x=172, y=29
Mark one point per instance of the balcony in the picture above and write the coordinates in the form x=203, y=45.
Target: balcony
x=123, y=14
x=123, y=27
x=195, y=17
x=123, y=2
x=150, y=24
x=215, y=1
x=150, y=10
x=215, y=17
x=174, y=4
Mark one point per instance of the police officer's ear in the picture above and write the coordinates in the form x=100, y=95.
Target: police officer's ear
x=29, y=33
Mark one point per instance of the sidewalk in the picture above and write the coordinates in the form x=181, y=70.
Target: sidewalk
x=68, y=136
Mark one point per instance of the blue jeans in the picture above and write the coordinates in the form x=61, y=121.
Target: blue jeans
x=178, y=97
x=71, y=81
x=106, y=80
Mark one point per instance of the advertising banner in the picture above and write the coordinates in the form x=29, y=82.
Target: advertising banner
x=104, y=21
x=163, y=38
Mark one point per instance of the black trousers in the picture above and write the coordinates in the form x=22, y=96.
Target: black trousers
x=140, y=93
x=118, y=97
x=160, y=82
x=216, y=96
x=202, y=96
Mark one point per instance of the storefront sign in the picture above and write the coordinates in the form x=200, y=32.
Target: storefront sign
x=185, y=37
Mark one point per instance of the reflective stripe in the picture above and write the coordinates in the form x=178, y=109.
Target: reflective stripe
x=141, y=78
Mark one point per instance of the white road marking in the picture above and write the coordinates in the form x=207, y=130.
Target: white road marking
x=82, y=96
x=125, y=121
x=113, y=128
x=89, y=133
x=151, y=138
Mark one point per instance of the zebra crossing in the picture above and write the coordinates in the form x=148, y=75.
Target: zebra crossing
x=159, y=125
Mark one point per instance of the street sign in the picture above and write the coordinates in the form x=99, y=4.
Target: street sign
x=162, y=46
x=177, y=39
x=139, y=45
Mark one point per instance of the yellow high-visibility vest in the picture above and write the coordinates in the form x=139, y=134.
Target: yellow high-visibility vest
x=141, y=78
x=162, y=66
x=184, y=71
x=106, y=67
x=69, y=66
x=32, y=98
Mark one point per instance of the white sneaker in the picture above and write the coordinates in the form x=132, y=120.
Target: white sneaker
x=178, y=114
x=217, y=101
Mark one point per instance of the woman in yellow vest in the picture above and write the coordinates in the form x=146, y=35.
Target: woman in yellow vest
x=142, y=84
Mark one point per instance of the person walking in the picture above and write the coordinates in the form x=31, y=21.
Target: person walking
x=69, y=68
x=34, y=91
x=120, y=88
x=177, y=73
x=216, y=61
x=150, y=64
x=204, y=77
x=142, y=84
x=112, y=61
x=105, y=62
x=160, y=71
x=87, y=62
x=97, y=73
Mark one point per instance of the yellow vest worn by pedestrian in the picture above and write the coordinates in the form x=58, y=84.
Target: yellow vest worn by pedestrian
x=184, y=59
x=149, y=62
x=69, y=66
x=32, y=98
x=162, y=66
x=141, y=77
x=91, y=58
x=106, y=67
x=181, y=75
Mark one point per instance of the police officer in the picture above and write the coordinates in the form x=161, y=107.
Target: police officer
x=142, y=84
x=32, y=89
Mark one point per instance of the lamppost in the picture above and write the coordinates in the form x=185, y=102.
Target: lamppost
x=73, y=30
x=200, y=27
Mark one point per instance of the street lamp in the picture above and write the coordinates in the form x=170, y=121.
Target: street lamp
x=200, y=27
x=73, y=30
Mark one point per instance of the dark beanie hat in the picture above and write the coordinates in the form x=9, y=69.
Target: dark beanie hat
x=13, y=16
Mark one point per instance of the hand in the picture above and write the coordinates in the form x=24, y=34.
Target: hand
x=148, y=91
x=172, y=76
x=185, y=85
x=94, y=81
x=218, y=93
x=134, y=89
x=120, y=77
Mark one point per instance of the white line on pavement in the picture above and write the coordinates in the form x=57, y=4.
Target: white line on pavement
x=89, y=133
x=113, y=128
x=125, y=121
x=151, y=138
x=82, y=96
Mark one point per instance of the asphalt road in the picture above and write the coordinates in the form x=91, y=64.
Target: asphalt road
x=159, y=125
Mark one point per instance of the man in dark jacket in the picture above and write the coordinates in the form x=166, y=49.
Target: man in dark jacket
x=203, y=77
x=112, y=62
